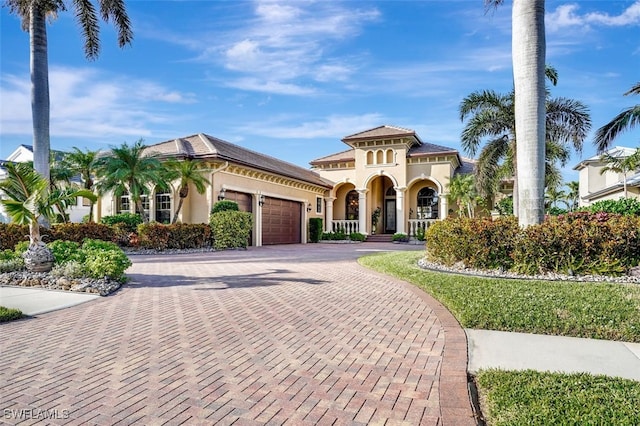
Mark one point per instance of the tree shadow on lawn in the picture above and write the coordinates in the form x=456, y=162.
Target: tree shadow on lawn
x=222, y=282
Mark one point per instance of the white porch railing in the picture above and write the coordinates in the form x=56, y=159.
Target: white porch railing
x=347, y=226
x=415, y=224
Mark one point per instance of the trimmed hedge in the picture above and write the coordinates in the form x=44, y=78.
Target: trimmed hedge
x=575, y=243
x=230, y=229
x=315, y=229
x=11, y=234
x=129, y=221
x=177, y=236
x=79, y=231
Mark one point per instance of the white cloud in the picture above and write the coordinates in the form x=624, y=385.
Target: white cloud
x=266, y=86
x=566, y=16
x=85, y=102
x=334, y=126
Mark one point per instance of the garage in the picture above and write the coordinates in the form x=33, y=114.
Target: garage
x=244, y=205
x=281, y=221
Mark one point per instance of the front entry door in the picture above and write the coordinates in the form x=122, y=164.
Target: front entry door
x=390, y=216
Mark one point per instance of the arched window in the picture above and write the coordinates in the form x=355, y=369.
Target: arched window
x=369, y=157
x=389, y=156
x=379, y=157
x=352, y=205
x=163, y=207
x=427, y=204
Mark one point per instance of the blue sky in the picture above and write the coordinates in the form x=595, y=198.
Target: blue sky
x=290, y=79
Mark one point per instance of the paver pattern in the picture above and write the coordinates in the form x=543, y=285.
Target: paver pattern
x=273, y=335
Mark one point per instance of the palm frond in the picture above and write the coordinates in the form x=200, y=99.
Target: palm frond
x=621, y=122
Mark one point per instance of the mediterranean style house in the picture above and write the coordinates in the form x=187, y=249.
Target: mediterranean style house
x=595, y=185
x=388, y=170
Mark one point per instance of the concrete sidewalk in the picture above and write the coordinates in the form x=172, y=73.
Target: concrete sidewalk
x=33, y=301
x=522, y=351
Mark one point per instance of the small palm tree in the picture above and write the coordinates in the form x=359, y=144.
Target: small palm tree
x=625, y=120
x=85, y=164
x=188, y=172
x=573, y=195
x=462, y=191
x=128, y=169
x=553, y=195
x=621, y=164
x=29, y=198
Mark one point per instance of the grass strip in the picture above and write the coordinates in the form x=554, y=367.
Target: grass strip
x=592, y=310
x=534, y=398
x=9, y=314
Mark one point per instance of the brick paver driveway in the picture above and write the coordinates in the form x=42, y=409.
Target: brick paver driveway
x=285, y=334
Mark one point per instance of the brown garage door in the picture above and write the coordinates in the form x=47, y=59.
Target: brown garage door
x=244, y=204
x=281, y=221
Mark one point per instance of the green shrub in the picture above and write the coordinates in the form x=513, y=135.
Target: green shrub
x=421, y=233
x=623, y=206
x=11, y=265
x=315, y=229
x=505, y=206
x=8, y=255
x=224, y=206
x=334, y=236
x=79, y=231
x=153, y=235
x=478, y=243
x=357, y=236
x=9, y=314
x=130, y=221
x=556, y=211
x=185, y=236
x=230, y=229
x=11, y=234
x=64, y=251
x=104, y=259
x=21, y=247
x=70, y=269
x=400, y=237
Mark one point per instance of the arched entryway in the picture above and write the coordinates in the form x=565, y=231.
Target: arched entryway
x=382, y=196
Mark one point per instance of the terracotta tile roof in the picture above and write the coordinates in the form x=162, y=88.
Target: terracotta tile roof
x=384, y=131
x=340, y=157
x=207, y=147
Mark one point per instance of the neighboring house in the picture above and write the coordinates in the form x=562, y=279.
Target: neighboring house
x=391, y=169
x=23, y=154
x=596, y=186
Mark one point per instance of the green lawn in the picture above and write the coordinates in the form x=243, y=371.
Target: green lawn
x=8, y=314
x=532, y=398
x=593, y=310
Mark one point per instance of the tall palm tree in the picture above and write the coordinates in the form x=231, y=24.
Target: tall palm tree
x=528, y=47
x=128, y=169
x=553, y=195
x=491, y=120
x=85, y=164
x=188, y=172
x=33, y=14
x=625, y=120
x=621, y=164
x=28, y=198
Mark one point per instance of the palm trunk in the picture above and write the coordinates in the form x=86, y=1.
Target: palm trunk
x=528, y=50
x=140, y=208
x=39, y=90
x=175, y=216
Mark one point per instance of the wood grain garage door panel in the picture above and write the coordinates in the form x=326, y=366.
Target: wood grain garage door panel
x=243, y=200
x=281, y=220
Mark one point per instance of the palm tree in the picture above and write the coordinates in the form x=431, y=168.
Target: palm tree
x=491, y=117
x=625, y=120
x=528, y=47
x=29, y=198
x=462, y=191
x=129, y=169
x=189, y=172
x=85, y=164
x=33, y=14
x=621, y=164
x=553, y=195
x=573, y=195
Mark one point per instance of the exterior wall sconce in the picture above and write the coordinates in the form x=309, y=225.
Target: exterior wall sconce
x=221, y=195
x=261, y=200
x=309, y=207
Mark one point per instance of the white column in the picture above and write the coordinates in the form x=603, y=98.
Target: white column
x=363, y=223
x=400, y=219
x=444, y=206
x=328, y=215
x=257, y=217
